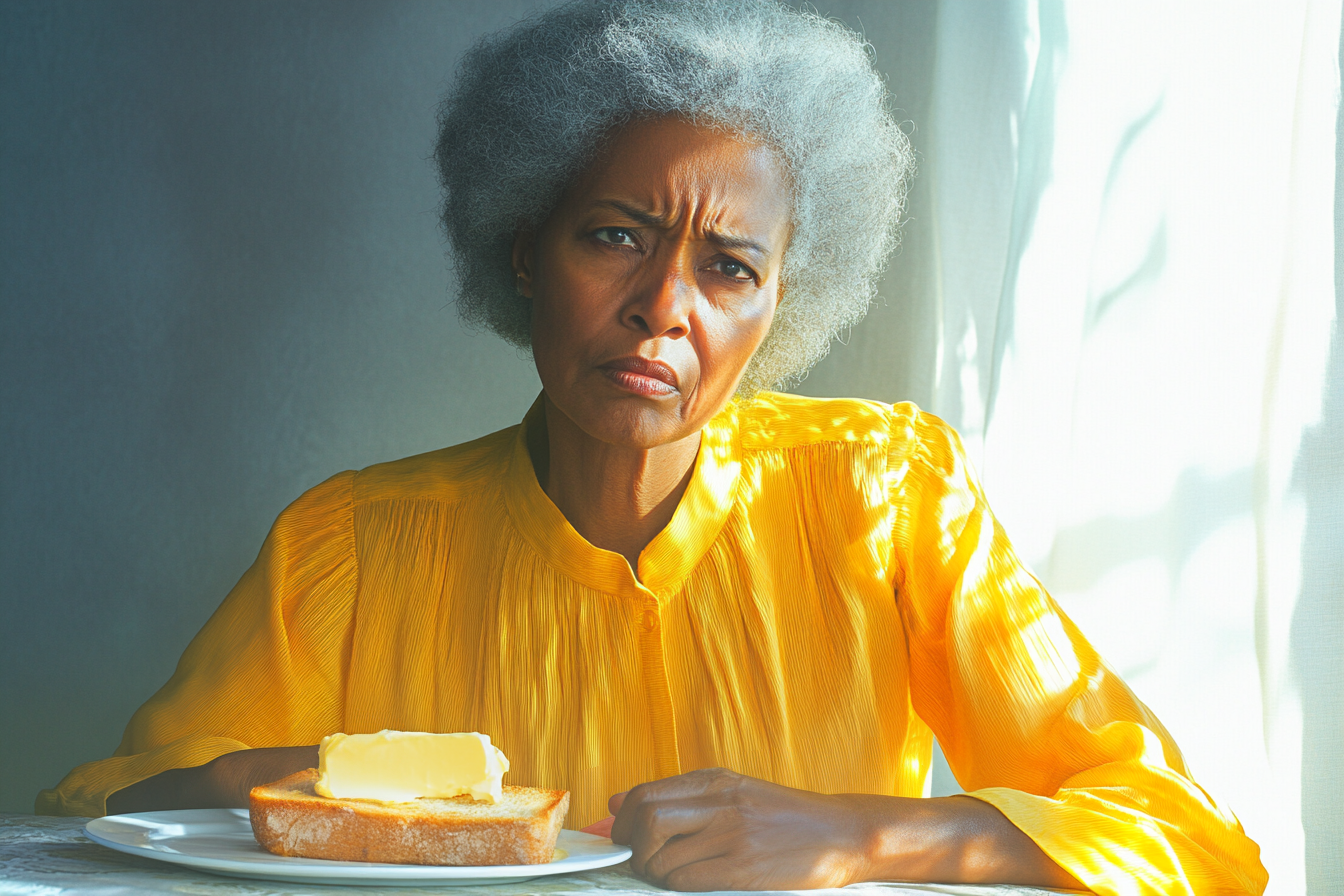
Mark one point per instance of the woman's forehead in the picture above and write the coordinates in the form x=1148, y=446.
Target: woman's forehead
x=666, y=167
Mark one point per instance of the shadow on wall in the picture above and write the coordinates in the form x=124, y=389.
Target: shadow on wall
x=1199, y=504
x=1034, y=156
x=1317, y=638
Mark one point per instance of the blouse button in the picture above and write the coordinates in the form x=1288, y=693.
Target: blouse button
x=649, y=622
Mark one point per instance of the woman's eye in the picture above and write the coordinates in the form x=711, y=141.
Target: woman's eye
x=735, y=269
x=616, y=236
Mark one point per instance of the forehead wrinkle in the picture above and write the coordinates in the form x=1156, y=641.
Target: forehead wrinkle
x=720, y=236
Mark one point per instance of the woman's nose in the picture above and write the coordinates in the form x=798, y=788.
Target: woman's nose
x=662, y=302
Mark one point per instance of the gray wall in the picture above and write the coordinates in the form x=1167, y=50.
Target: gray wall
x=221, y=281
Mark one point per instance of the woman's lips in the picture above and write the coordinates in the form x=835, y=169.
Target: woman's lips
x=641, y=376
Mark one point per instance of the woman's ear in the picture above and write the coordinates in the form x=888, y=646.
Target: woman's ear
x=523, y=241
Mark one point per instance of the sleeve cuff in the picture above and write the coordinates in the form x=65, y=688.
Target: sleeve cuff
x=85, y=790
x=1113, y=852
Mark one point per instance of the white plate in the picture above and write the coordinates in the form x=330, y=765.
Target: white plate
x=220, y=840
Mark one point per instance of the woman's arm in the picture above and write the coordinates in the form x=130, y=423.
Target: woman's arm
x=714, y=829
x=223, y=782
x=1030, y=718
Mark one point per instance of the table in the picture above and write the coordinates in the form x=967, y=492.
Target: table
x=43, y=856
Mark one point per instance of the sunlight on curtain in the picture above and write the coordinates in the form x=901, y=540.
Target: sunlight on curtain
x=1135, y=248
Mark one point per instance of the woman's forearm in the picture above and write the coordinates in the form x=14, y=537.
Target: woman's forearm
x=714, y=829
x=223, y=782
x=956, y=839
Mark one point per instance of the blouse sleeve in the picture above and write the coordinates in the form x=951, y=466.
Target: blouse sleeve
x=1031, y=720
x=267, y=669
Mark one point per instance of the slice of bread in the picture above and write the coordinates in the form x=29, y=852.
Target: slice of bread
x=289, y=818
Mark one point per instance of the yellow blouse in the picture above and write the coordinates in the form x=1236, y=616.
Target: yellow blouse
x=831, y=592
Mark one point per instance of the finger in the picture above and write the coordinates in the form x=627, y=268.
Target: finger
x=601, y=828
x=682, y=850
x=624, y=813
x=655, y=823
x=717, y=873
x=685, y=786
x=614, y=804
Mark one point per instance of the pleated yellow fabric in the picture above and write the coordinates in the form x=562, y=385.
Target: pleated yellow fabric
x=831, y=591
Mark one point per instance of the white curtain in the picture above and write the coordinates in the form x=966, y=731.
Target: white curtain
x=1135, y=301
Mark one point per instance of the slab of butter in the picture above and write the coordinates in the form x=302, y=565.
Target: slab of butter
x=398, y=766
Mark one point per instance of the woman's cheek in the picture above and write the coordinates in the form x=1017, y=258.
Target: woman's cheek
x=753, y=323
x=722, y=355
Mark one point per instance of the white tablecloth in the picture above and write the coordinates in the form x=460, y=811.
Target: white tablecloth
x=42, y=856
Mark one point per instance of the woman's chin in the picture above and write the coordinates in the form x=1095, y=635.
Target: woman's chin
x=638, y=422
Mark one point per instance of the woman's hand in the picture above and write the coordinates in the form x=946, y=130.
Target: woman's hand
x=718, y=830
x=223, y=782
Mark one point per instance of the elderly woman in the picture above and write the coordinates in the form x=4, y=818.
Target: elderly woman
x=736, y=619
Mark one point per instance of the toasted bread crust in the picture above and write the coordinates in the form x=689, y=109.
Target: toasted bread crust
x=290, y=819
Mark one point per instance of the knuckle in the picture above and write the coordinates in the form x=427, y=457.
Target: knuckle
x=712, y=779
x=647, y=815
x=727, y=781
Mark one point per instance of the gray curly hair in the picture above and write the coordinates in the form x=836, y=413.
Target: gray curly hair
x=533, y=104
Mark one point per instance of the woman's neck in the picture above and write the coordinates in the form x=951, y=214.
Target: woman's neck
x=617, y=498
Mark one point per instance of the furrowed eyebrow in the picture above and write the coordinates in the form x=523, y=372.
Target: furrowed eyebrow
x=738, y=242
x=642, y=218
x=645, y=219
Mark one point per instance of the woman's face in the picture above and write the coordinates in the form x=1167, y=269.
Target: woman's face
x=655, y=279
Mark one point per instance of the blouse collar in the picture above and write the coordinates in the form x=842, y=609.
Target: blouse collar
x=674, y=552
